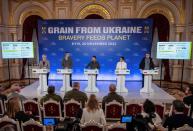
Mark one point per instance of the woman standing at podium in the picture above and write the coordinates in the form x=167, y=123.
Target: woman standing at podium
x=45, y=64
x=121, y=65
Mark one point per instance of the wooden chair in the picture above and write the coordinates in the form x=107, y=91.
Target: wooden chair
x=32, y=106
x=113, y=110
x=92, y=126
x=71, y=108
x=52, y=109
x=160, y=109
x=186, y=110
x=116, y=127
x=7, y=123
x=133, y=109
x=32, y=125
x=2, y=109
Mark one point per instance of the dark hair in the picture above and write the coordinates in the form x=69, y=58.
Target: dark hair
x=178, y=105
x=191, y=88
x=148, y=106
x=122, y=57
x=94, y=56
x=51, y=89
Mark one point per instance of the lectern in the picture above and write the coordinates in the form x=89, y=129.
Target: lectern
x=148, y=80
x=43, y=85
x=121, y=80
x=66, y=79
x=91, y=73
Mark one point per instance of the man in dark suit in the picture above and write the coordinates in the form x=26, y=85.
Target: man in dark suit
x=112, y=96
x=93, y=64
x=178, y=118
x=189, y=99
x=67, y=64
x=146, y=64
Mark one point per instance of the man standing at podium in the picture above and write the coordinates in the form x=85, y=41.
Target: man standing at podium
x=44, y=63
x=94, y=64
x=67, y=64
x=121, y=65
x=146, y=64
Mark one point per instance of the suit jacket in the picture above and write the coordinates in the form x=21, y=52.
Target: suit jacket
x=177, y=120
x=76, y=95
x=67, y=63
x=93, y=65
x=44, y=65
x=142, y=64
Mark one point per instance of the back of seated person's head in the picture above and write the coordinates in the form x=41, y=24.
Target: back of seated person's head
x=13, y=107
x=112, y=88
x=191, y=88
x=148, y=107
x=51, y=89
x=76, y=85
x=92, y=104
x=178, y=106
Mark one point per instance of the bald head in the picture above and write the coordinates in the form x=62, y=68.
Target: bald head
x=112, y=88
x=76, y=85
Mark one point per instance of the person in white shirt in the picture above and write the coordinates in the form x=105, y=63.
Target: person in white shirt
x=121, y=65
x=93, y=112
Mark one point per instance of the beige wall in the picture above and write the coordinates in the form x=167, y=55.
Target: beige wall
x=178, y=12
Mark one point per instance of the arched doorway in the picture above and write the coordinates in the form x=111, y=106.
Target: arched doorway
x=30, y=29
x=94, y=16
x=163, y=28
x=29, y=25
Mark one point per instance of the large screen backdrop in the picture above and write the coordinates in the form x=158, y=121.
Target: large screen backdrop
x=106, y=39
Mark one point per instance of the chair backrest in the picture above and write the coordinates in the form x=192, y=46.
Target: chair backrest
x=32, y=106
x=116, y=127
x=2, y=110
x=160, y=109
x=92, y=126
x=32, y=125
x=185, y=128
x=8, y=122
x=113, y=110
x=71, y=108
x=133, y=109
x=52, y=109
x=187, y=110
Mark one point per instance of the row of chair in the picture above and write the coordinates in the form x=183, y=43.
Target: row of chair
x=32, y=125
x=113, y=110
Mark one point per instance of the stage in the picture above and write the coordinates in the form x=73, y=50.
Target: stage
x=133, y=95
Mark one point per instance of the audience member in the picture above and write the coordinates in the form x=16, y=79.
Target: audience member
x=92, y=111
x=148, y=120
x=12, y=91
x=14, y=110
x=189, y=99
x=112, y=96
x=178, y=117
x=51, y=96
x=76, y=94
